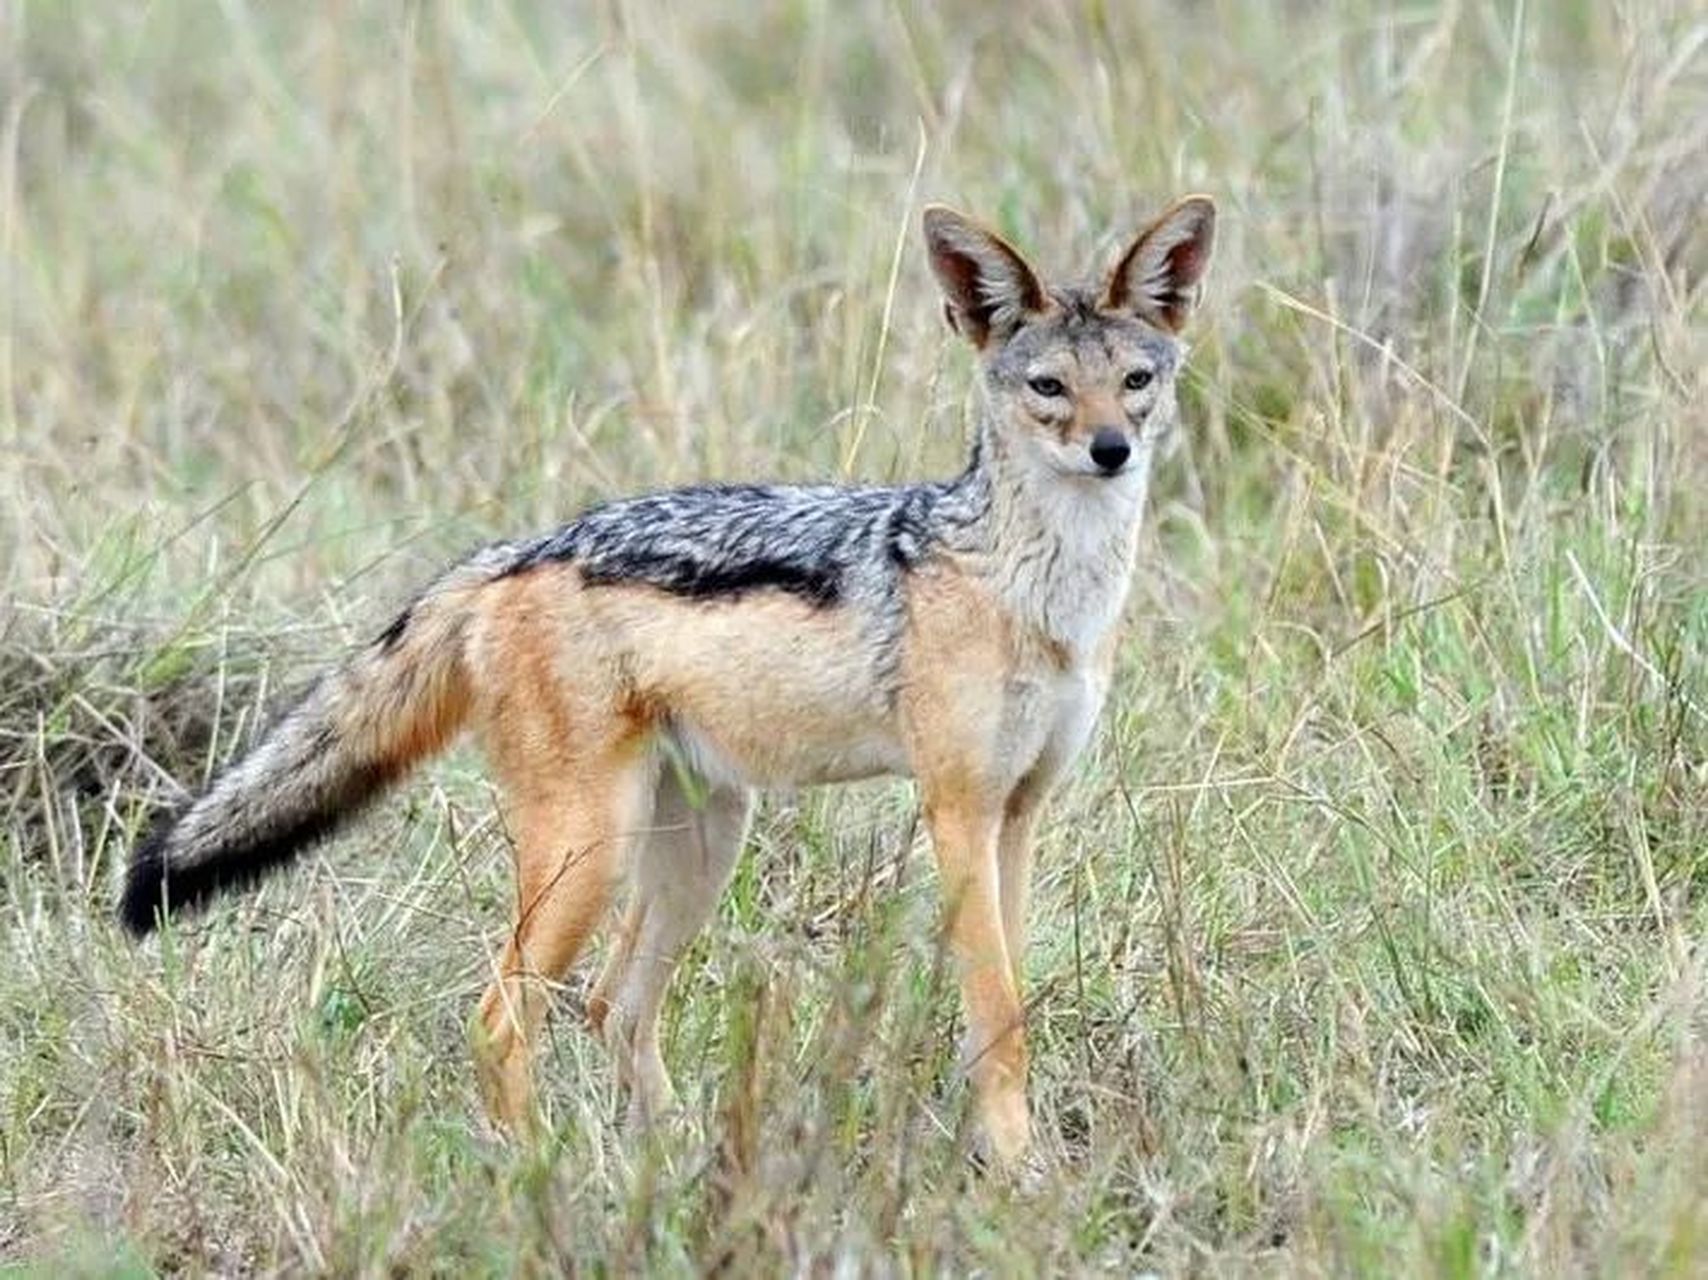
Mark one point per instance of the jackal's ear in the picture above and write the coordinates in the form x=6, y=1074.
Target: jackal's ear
x=1157, y=278
x=988, y=290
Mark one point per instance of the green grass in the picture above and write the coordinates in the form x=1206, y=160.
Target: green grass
x=1368, y=936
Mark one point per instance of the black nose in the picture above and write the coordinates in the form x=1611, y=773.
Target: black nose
x=1109, y=449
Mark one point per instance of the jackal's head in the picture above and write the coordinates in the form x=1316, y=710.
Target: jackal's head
x=1080, y=378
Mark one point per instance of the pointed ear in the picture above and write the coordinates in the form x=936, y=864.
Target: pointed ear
x=988, y=290
x=1157, y=278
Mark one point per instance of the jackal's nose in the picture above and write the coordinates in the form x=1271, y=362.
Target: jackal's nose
x=1110, y=450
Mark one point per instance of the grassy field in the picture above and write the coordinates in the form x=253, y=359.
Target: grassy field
x=1370, y=932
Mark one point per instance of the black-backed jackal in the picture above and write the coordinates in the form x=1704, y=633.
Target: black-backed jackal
x=958, y=632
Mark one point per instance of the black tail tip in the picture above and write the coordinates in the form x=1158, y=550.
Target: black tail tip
x=144, y=900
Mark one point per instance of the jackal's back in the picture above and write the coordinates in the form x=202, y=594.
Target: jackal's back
x=826, y=544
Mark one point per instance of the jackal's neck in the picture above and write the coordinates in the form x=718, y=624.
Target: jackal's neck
x=1057, y=549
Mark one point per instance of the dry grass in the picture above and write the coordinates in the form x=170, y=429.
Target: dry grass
x=1369, y=934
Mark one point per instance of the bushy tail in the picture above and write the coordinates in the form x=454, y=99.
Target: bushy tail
x=360, y=729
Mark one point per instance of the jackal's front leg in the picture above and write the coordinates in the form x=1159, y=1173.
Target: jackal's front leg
x=1014, y=870
x=964, y=835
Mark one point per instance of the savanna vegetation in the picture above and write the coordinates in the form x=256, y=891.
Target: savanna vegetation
x=1370, y=932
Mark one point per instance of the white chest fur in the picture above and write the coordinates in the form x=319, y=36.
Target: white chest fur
x=1050, y=719
x=1065, y=550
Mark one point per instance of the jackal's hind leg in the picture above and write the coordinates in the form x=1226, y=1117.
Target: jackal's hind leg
x=572, y=820
x=678, y=874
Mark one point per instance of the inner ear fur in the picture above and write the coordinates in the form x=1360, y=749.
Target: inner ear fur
x=1157, y=278
x=989, y=290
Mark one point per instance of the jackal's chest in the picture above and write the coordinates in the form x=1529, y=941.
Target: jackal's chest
x=1049, y=717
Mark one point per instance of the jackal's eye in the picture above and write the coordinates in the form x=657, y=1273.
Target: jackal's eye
x=1138, y=379
x=1047, y=386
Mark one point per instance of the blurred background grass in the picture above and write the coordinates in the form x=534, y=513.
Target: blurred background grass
x=1369, y=934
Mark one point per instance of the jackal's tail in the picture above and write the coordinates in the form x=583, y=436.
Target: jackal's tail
x=360, y=729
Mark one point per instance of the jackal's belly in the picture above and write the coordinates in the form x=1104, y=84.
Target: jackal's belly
x=793, y=755
x=767, y=691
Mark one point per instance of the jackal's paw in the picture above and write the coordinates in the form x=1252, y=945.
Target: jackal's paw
x=1005, y=1128
x=503, y=1075
x=640, y=1070
x=1024, y=1174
